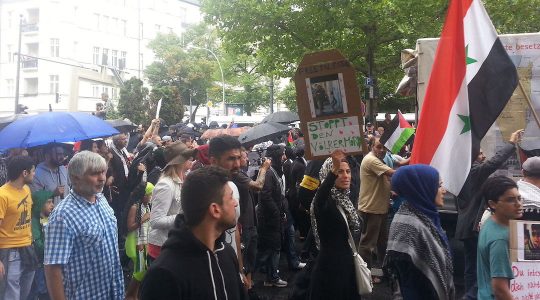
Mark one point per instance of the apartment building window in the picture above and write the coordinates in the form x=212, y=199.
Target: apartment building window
x=10, y=19
x=170, y=29
x=105, y=57
x=114, y=56
x=10, y=54
x=105, y=91
x=54, y=87
x=114, y=25
x=141, y=30
x=10, y=87
x=158, y=28
x=114, y=93
x=122, y=64
x=106, y=23
x=95, y=59
x=55, y=47
x=95, y=91
x=96, y=21
x=124, y=27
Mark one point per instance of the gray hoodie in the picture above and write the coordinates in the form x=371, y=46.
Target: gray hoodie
x=47, y=179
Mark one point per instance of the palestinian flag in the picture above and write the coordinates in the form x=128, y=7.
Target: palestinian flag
x=471, y=81
x=397, y=134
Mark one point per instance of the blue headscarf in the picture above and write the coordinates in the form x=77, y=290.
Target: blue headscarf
x=419, y=185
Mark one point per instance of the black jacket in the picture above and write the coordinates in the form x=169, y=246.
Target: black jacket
x=469, y=201
x=187, y=269
x=270, y=211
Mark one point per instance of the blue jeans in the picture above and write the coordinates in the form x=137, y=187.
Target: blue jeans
x=39, y=288
x=269, y=258
x=19, y=281
x=470, y=246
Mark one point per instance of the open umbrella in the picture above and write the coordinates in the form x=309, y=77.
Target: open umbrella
x=282, y=117
x=53, y=127
x=122, y=125
x=5, y=121
x=262, y=133
x=210, y=133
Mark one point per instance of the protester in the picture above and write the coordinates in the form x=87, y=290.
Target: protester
x=385, y=124
x=202, y=159
x=89, y=145
x=271, y=216
x=81, y=241
x=119, y=165
x=418, y=249
x=166, y=196
x=52, y=175
x=18, y=260
x=529, y=188
x=41, y=209
x=299, y=212
x=225, y=151
x=247, y=219
x=137, y=239
x=333, y=275
x=374, y=204
x=470, y=209
x=4, y=162
x=155, y=164
x=494, y=269
x=195, y=263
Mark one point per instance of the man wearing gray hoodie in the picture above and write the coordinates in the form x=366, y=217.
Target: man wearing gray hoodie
x=51, y=175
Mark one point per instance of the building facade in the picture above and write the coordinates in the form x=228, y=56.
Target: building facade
x=73, y=52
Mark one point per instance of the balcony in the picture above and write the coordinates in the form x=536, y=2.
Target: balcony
x=29, y=63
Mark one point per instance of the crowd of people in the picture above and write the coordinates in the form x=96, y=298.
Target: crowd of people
x=185, y=220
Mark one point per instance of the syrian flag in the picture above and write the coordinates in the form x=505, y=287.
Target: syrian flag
x=471, y=81
x=397, y=134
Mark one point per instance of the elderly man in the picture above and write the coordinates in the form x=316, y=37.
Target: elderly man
x=120, y=164
x=81, y=241
x=529, y=188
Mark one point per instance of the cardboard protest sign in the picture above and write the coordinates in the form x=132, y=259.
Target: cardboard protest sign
x=524, y=241
x=329, y=105
x=526, y=282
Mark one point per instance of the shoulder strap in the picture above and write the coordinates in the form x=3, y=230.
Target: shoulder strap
x=351, y=241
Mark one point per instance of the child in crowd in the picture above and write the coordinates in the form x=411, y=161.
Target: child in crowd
x=41, y=209
x=137, y=239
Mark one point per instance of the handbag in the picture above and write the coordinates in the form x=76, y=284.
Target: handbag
x=361, y=270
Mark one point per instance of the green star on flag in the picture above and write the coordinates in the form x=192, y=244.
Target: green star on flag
x=467, y=123
x=468, y=60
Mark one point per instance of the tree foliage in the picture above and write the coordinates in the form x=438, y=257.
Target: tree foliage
x=288, y=97
x=369, y=33
x=133, y=97
x=177, y=76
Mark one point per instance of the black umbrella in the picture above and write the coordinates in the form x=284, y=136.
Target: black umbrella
x=262, y=133
x=122, y=125
x=282, y=117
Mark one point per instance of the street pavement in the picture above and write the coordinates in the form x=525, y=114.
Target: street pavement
x=381, y=291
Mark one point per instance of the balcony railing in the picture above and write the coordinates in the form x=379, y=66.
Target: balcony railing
x=29, y=63
x=30, y=27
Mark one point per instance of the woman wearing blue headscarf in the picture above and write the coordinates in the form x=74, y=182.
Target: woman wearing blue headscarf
x=418, y=250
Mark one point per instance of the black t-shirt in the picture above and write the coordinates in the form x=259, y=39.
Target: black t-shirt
x=247, y=209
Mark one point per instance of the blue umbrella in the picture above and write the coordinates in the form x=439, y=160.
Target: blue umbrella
x=53, y=127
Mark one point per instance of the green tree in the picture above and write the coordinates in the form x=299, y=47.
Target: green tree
x=370, y=34
x=133, y=98
x=178, y=76
x=287, y=96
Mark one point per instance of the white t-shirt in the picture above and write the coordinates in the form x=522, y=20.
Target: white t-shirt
x=229, y=233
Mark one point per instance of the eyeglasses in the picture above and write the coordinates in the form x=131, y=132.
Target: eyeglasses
x=512, y=200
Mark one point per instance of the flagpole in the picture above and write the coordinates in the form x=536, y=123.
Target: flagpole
x=529, y=102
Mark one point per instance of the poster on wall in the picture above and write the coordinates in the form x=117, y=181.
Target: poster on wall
x=329, y=105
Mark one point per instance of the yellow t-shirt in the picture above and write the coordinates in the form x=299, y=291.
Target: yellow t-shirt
x=16, y=213
x=374, y=186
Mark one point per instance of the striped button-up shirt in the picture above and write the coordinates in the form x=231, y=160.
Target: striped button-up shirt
x=82, y=237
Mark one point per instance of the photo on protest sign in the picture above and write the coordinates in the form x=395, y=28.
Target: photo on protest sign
x=326, y=95
x=528, y=240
